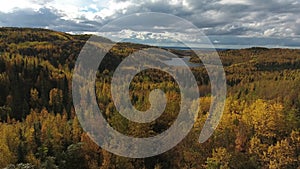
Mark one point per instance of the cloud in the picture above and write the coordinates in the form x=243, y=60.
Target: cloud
x=28, y=17
x=43, y=18
x=243, y=17
x=258, y=19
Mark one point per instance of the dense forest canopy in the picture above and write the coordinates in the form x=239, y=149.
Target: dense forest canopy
x=39, y=128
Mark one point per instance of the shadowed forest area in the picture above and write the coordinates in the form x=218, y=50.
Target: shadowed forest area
x=39, y=127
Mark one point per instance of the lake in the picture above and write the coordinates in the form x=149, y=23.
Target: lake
x=180, y=62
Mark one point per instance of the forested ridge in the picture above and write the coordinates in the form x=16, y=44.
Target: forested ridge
x=39, y=127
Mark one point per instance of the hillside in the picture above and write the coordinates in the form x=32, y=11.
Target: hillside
x=39, y=128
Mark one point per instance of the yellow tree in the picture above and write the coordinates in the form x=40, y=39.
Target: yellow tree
x=280, y=155
x=220, y=159
x=9, y=142
x=295, y=143
x=256, y=150
x=76, y=130
x=55, y=100
x=6, y=156
x=34, y=98
x=92, y=152
x=266, y=118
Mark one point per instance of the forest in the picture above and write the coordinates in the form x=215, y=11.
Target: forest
x=39, y=127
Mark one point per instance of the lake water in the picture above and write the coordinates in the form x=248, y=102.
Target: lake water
x=180, y=62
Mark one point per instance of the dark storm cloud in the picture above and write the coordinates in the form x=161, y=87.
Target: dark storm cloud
x=254, y=17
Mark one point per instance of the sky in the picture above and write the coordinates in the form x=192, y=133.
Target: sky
x=227, y=23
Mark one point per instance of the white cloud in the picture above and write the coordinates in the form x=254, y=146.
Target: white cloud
x=226, y=2
x=113, y=8
x=216, y=41
x=9, y=6
x=160, y=38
